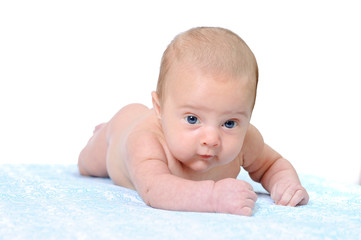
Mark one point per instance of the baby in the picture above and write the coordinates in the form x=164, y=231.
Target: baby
x=185, y=153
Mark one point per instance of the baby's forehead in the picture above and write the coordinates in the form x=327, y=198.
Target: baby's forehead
x=188, y=70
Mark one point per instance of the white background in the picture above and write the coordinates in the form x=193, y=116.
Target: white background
x=66, y=66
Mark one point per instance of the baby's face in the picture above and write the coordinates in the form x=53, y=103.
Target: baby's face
x=205, y=117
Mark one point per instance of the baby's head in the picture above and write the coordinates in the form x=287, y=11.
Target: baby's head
x=212, y=50
x=205, y=96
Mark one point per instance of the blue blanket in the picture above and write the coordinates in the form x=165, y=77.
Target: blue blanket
x=55, y=202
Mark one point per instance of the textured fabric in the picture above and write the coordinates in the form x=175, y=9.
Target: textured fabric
x=55, y=202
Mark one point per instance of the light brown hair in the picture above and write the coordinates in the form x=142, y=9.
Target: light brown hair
x=214, y=50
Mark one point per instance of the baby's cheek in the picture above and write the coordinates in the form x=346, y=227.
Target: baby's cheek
x=232, y=151
x=180, y=146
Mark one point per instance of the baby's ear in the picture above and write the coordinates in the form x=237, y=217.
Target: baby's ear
x=156, y=104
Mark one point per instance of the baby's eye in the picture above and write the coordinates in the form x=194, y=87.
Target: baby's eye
x=230, y=124
x=192, y=119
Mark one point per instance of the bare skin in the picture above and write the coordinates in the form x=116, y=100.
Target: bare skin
x=185, y=153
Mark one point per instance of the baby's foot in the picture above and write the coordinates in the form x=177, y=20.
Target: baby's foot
x=98, y=127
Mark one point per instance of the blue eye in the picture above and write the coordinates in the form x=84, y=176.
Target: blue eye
x=230, y=124
x=192, y=119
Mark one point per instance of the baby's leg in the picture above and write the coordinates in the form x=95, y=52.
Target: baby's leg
x=92, y=159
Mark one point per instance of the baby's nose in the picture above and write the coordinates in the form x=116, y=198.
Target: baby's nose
x=211, y=138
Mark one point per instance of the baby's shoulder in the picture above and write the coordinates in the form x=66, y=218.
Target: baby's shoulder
x=253, y=143
x=146, y=140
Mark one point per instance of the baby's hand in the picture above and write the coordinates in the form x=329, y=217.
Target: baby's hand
x=289, y=194
x=233, y=196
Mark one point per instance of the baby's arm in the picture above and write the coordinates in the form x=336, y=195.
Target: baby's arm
x=159, y=188
x=275, y=173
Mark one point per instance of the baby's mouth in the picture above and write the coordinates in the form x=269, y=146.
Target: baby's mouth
x=206, y=157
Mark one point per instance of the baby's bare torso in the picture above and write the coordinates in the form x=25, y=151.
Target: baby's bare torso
x=138, y=118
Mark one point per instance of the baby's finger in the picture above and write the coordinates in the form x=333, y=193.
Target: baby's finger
x=305, y=200
x=277, y=193
x=296, y=199
x=285, y=198
x=245, y=211
x=253, y=196
x=249, y=203
x=246, y=207
x=246, y=185
x=300, y=198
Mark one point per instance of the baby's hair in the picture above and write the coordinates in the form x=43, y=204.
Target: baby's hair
x=212, y=49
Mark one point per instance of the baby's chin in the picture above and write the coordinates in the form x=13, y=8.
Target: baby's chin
x=199, y=166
